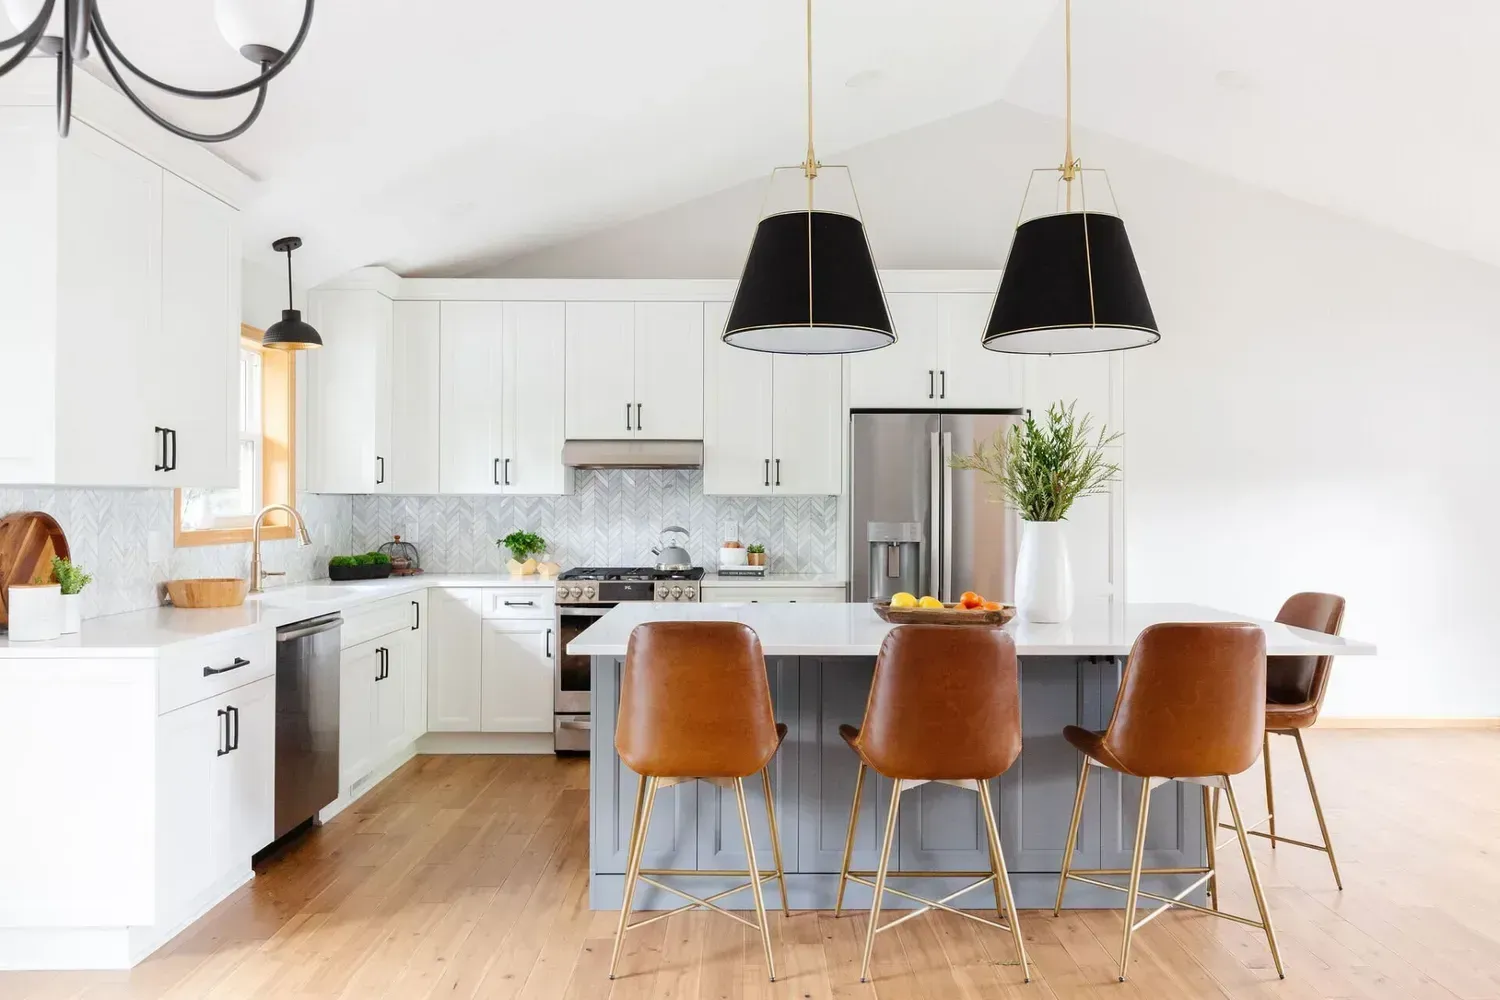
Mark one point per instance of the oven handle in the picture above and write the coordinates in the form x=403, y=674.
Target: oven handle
x=583, y=612
x=575, y=724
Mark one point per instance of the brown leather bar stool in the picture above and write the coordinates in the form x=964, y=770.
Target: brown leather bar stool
x=944, y=706
x=1191, y=708
x=1295, y=686
x=695, y=705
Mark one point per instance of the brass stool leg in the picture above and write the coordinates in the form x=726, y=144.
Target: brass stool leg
x=1002, y=878
x=996, y=862
x=645, y=798
x=1072, y=844
x=1260, y=896
x=754, y=872
x=859, y=786
x=1210, y=835
x=885, y=862
x=1312, y=789
x=765, y=781
x=1132, y=893
x=1265, y=756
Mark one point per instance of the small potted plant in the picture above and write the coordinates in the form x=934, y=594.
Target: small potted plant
x=755, y=555
x=71, y=580
x=369, y=566
x=523, y=546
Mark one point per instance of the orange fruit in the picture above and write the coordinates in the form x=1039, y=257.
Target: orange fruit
x=992, y=605
x=969, y=597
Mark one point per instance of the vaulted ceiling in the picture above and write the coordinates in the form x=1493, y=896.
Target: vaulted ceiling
x=439, y=138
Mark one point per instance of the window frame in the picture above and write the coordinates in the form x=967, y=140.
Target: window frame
x=278, y=471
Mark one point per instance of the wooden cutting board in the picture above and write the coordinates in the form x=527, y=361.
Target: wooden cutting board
x=28, y=541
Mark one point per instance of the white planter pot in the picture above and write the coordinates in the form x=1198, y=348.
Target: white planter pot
x=72, y=613
x=35, y=612
x=1044, y=578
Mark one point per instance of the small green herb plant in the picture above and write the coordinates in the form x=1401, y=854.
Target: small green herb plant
x=71, y=579
x=367, y=559
x=756, y=549
x=523, y=544
x=1042, y=467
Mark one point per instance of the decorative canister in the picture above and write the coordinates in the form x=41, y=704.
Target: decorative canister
x=36, y=611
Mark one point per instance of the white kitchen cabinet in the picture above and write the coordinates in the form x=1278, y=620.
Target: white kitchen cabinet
x=453, y=655
x=349, y=392
x=634, y=370
x=472, y=387
x=969, y=376
x=1089, y=380
x=358, y=666
x=937, y=361
x=772, y=424
x=517, y=681
x=532, y=392
x=903, y=375
x=415, y=397
x=249, y=816
x=414, y=668
x=388, y=727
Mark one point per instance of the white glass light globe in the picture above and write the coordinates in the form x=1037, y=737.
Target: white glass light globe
x=266, y=23
x=20, y=13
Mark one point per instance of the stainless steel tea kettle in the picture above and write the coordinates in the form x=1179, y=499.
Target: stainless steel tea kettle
x=672, y=556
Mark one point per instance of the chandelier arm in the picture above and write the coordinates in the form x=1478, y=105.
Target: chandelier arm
x=27, y=38
x=64, y=99
x=145, y=109
x=269, y=71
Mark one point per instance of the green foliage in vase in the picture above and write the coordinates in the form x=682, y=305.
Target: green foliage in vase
x=523, y=544
x=70, y=579
x=1042, y=467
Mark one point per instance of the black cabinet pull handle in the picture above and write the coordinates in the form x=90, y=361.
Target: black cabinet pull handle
x=172, y=464
x=417, y=610
x=768, y=472
x=234, y=718
x=943, y=384
x=549, y=644
x=223, y=733
x=495, y=471
x=380, y=476
x=778, y=472
x=638, y=424
x=520, y=604
x=162, y=465
x=239, y=661
x=507, y=472
x=929, y=384
x=627, y=417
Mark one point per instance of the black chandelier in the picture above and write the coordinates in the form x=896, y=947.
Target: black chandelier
x=63, y=30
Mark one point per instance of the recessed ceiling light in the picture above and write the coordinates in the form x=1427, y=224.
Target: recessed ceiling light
x=864, y=78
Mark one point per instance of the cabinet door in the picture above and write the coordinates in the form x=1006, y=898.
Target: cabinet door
x=808, y=427
x=737, y=414
x=905, y=373
x=516, y=658
x=969, y=375
x=414, y=669
x=390, y=696
x=251, y=773
x=599, y=367
x=108, y=311
x=669, y=370
x=535, y=361
x=472, y=362
x=188, y=741
x=347, y=378
x=380, y=391
x=190, y=375
x=415, y=393
x=453, y=649
x=358, y=666
x=1089, y=380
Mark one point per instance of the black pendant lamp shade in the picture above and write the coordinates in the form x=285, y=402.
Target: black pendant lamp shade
x=809, y=287
x=1070, y=286
x=290, y=333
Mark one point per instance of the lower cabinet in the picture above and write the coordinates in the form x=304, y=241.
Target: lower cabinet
x=515, y=666
x=453, y=674
x=358, y=666
x=490, y=661
x=378, y=679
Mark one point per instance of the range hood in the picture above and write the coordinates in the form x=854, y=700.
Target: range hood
x=596, y=454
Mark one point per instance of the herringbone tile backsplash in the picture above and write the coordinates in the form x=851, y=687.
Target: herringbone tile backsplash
x=612, y=519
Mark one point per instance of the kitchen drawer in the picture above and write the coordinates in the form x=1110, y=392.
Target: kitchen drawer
x=231, y=662
x=518, y=602
x=771, y=595
x=371, y=621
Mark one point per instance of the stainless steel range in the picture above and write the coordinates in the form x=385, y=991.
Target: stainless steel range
x=582, y=596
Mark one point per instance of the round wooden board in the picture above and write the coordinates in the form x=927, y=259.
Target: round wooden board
x=948, y=614
x=28, y=541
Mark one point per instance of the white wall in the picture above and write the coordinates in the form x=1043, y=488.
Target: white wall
x=1317, y=416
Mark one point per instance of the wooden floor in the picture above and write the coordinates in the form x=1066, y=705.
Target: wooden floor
x=466, y=877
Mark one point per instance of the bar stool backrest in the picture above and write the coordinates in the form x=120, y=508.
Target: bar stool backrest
x=1191, y=702
x=1296, y=680
x=695, y=702
x=945, y=704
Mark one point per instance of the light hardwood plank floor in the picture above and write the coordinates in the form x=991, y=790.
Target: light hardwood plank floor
x=467, y=877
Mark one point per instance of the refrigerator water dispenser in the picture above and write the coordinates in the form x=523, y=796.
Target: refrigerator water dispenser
x=895, y=558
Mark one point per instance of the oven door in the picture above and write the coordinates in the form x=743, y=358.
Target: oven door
x=570, y=691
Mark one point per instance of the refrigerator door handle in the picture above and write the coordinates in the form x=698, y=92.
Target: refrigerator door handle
x=937, y=531
x=947, y=591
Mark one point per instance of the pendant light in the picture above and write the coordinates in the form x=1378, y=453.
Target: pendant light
x=1070, y=285
x=290, y=333
x=809, y=285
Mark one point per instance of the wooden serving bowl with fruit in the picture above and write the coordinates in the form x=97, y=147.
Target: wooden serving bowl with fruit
x=970, y=609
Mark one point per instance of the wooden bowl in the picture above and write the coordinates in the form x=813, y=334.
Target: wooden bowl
x=216, y=592
x=948, y=614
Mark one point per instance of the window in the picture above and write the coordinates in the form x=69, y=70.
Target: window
x=265, y=434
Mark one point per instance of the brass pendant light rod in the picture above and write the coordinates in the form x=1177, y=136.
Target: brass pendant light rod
x=810, y=168
x=1069, y=168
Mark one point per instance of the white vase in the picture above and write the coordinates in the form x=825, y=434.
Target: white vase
x=35, y=612
x=1044, y=579
x=72, y=613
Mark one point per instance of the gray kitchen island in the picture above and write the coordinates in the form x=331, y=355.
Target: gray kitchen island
x=820, y=658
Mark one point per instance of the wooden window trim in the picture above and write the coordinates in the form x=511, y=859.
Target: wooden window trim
x=278, y=386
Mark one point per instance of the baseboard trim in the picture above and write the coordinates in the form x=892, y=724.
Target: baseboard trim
x=359, y=788
x=482, y=743
x=1410, y=722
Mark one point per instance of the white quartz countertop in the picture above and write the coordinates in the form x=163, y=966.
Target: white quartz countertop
x=142, y=633
x=1097, y=628
x=712, y=579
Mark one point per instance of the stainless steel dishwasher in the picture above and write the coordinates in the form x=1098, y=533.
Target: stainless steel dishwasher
x=307, y=719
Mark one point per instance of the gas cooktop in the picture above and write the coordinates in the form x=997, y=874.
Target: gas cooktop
x=629, y=573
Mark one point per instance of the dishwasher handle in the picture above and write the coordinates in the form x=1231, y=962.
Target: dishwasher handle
x=313, y=626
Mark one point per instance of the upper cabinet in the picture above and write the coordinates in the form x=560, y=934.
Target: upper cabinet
x=772, y=423
x=634, y=370
x=937, y=361
x=349, y=392
x=414, y=398
x=121, y=284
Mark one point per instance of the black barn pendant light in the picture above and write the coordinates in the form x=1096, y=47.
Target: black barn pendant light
x=290, y=333
x=809, y=285
x=1071, y=284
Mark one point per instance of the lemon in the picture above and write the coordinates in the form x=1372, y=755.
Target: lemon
x=903, y=600
x=929, y=602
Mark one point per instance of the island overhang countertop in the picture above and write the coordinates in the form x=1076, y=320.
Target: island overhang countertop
x=1099, y=627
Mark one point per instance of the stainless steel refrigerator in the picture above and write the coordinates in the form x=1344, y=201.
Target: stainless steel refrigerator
x=916, y=524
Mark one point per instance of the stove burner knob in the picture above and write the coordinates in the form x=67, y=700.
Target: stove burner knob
x=588, y=592
x=688, y=593
x=661, y=591
x=574, y=591
x=676, y=593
